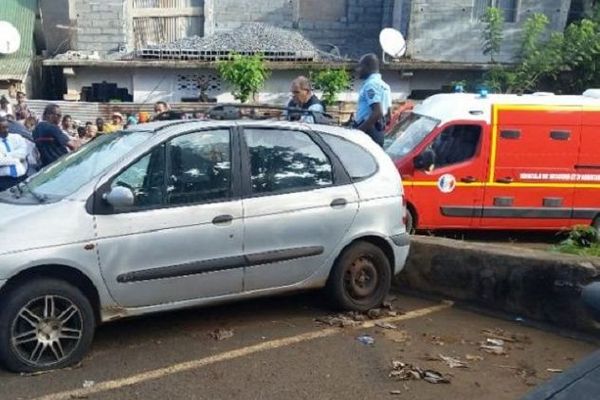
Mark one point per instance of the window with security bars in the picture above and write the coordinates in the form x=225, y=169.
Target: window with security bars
x=509, y=8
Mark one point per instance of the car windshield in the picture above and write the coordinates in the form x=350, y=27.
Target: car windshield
x=408, y=134
x=76, y=169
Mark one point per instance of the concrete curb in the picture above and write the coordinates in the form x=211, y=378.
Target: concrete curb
x=532, y=284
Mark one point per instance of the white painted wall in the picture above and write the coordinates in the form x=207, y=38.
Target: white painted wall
x=149, y=85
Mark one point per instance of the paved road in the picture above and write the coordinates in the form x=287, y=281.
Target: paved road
x=279, y=351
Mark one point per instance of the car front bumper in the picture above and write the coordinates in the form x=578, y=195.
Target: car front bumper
x=401, y=245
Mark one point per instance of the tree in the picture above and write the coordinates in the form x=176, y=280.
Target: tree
x=246, y=74
x=493, y=28
x=331, y=82
x=565, y=62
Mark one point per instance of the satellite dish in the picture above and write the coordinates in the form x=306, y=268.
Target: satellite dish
x=392, y=42
x=10, y=38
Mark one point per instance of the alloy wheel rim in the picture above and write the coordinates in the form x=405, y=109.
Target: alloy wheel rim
x=46, y=331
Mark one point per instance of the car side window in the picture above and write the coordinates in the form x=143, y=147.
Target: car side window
x=286, y=161
x=146, y=179
x=359, y=163
x=199, y=168
x=456, y=144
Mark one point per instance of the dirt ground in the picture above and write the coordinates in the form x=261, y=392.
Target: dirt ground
x=279, y=349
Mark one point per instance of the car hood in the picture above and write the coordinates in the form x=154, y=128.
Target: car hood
x=31, y=226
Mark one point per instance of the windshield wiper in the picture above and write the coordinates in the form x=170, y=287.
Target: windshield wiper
x=39, y=197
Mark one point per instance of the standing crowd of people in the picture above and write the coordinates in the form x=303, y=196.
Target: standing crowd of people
x=27, y=144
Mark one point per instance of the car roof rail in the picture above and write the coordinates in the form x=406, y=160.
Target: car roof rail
x=237, y=112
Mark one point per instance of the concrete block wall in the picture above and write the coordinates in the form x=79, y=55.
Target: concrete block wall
x=445, y=30
x=103, y=25
x=231, y=14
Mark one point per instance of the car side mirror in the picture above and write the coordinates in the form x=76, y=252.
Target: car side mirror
x=119, y=196
x=425, y=160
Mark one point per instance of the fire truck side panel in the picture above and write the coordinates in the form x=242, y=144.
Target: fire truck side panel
x=587, y=170
x=535, y=155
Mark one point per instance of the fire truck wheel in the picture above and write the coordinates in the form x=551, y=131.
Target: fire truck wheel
x=410, y=221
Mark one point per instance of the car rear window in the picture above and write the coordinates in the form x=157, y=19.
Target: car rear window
x=359, y=163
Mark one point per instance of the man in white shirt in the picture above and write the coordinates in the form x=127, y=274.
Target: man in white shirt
x=13, y=155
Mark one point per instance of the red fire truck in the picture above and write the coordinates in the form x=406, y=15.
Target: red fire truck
x=472, y=161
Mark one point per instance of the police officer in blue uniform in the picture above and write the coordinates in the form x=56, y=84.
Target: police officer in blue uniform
x=374, y=99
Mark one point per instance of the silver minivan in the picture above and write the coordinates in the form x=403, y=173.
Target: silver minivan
x=188, y=213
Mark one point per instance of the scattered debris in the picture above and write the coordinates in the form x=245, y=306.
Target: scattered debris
x=366, y=340
x=506, y=336
x=495, y=342
x=555, y=370
x=406, y=372
x=470, y=357
x=341, y=320
x=88, y=384
x=354, y=318
x=436, y=340
x=453, y=362
x=493, y=346
x=386, y=325
x=387, y=303
x=522, y=370
x=221, y=334
x=450, y=361
x=397, y=336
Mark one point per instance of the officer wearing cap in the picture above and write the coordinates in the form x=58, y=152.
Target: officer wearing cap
x=374, y=99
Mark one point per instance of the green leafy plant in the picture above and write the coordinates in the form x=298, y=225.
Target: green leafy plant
x=332, y=82
x=582, y=240
x=245, y=74
x=493, y=28
x=563, y=62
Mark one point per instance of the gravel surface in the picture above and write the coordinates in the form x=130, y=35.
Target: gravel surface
x=251, y=38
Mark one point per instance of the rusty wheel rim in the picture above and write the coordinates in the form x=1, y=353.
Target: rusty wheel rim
x=361, y=278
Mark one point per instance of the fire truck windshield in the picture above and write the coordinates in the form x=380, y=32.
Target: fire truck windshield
x=408, y=134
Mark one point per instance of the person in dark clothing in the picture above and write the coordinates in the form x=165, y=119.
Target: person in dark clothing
x=51, y=142
x=100, y=125
x=303, y=98
x=169, y=115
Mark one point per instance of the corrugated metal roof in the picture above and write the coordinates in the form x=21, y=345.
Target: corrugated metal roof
x=20, y=13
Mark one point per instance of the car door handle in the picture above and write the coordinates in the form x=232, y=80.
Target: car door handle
x=469, y=179
x=222, y=219
x=507, y=179
x=339, y=203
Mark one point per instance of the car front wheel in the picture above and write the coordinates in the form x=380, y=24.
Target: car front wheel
x=44, y=324
x=361, y=278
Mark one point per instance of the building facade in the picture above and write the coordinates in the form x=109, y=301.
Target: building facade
x=444, y=41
